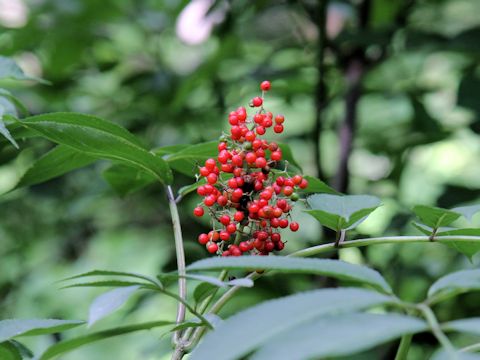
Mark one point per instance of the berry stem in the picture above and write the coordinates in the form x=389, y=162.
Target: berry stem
x=182, y=282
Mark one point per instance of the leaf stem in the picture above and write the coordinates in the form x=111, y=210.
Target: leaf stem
x=182, y=282
x=404, y=346
x=435, y=327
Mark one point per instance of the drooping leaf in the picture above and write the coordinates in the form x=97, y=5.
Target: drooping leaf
x=108, y=302
x=339, y=212
x=58, y=161
x=342, y=335
x=32, y=327
x=470, y=325
x=100, y=139
x=72, y=344
x=435, y=217
x=453, y=284
x=467, y=211
x=333, y=268
x=318, y=186
x=261, y=324
x=126, y=179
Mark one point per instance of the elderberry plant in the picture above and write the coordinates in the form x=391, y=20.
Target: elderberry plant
x=248, y=192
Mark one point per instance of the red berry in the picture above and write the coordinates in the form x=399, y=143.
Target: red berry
x=237, y=160
x=250, y=157
x=243, y=246
x=267, y=122
x=210, y=200
x=269, y=246
x=204, y=171
x=250, y=136
x=224, y=235
x=231, y=228
x=283, y=223
x=201, y=190
x=225, y=219
x=294, y=226
x=213, y=235
x=239, y=215
x=260, y=130
x=258, y=118
x=265, y=85
x=212, y=248
x=198, y=211
x=212, y=178
x=222, y=146
x=241, y=113
x=303, y=184
x=278, y=128
x=297, y=179
x=276, y=156
x=279, y=119
x=260, y=162
x=257, y=101
x=210, y=164
x=222, y=200
x=203, y=239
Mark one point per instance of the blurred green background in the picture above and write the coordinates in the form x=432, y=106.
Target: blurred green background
x=401, y=77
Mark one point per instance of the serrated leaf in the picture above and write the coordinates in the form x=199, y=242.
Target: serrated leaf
x=470, y=325
x=10, y=70
x=339, y=212
x=100, y=139
x=58, y=161
x=322, y=337
x=454, y=284
x=318, y=186
x=467, y=211
x=126, y=179
x=72, y=344
x=4, y=131
x=30, y=327
x=435, y=217
x=333, y=268
x=115, y=273
x=261, y=324
x=108, y=302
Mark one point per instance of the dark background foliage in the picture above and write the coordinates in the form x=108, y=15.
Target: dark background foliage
x=381, y=97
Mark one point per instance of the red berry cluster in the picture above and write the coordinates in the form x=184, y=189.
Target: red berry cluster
x=247, y=198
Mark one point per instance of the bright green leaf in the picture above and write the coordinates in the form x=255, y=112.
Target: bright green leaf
x=108, y=302
x=203, y=290
x=453, y=284
x=333, y=268
x=261, y=324
x=72, y=344
x=339, y=212
x=115, y=273
x=8, y=351
x=187, y=160
x=318, y=186
x=32, y=327
x=58, y=161
x=321, y=337
x=435, y=217
x=100, y=139
x=4, y=131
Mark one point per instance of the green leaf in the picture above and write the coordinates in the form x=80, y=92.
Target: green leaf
x=318, y=186
x=261, y=324
x=458, y=355
x=32, y=327
x=4, y=131
x=454, y=284
x=470, y=325
x=108, y=283
x=339, y=212
x=115, y=273
x=185, y=190
x=100, y=139
x=321, y=337
x=10, y=70
x=203, y=290
x=287, y=155
x=8, y=351
x=187, y=159
x=467, y=211
x=14, y=100
x=126, y=179
x=435, y=217
x=58, y=161
x=25, y=352
x=333, y=268
x=72, y=344
x=108, y=302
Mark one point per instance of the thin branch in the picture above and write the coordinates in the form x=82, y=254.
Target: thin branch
x=437, y=331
